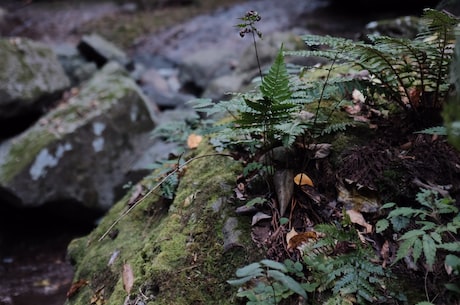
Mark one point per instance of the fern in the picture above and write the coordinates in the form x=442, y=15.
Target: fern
x=265, y=112
x=431, y=233
x=346, y=276
x=398, y=67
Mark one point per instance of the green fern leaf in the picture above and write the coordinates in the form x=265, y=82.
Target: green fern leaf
x=275, y=85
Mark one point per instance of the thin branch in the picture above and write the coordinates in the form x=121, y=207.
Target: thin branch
x=154, y=188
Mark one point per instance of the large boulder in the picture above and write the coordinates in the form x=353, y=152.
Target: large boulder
x=81, y=150
x=162, y=252
x=31, y=79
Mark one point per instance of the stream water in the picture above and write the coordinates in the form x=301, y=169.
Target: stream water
x=33, y=264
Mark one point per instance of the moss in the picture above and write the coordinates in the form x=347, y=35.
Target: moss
x=23, y=152
x=176, y=251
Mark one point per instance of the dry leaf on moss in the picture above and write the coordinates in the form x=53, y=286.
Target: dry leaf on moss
x=75, y=287
x=194, y=140
x=128, y=278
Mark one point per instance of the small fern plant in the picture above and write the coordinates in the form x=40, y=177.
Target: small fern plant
x=437, y=222
x=340, y=268
x=268, y=282
x=414, y=74
x=267, y=112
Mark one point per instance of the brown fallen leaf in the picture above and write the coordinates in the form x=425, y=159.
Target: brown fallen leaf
x=135, y=195
x=194, y=140
x=128, y=278
x=303, y=179
x=296, y=240
x=358, y=218
x=75, y=287
x=385, y=253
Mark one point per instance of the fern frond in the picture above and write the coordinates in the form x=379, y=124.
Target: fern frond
x=275, y=86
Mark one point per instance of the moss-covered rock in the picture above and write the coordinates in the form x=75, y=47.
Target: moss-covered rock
x=81, y=150
x=31, y=76
x=176, y=251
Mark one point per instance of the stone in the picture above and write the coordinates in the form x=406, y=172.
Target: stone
x=31, y=79
x=80, y=150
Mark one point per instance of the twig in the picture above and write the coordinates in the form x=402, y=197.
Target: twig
x=155, y=187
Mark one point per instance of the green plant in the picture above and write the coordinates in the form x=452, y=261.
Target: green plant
x=432, y=232
x=340, y=267
x=268, y=282
x=411, y=73
x=451, y=111
x=267, y=113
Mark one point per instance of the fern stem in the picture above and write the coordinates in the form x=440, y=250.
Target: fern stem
x=257, y=53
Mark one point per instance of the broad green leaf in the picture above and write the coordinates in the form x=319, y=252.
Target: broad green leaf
x=274, y=265
x=399, y=222
x=454, y=287
x=427, y=225
x=288, y=281
x=429, y=250
x=254, y=201
x=412, y=233
x=404, y=211
x=251, y=269
x=388, y=205
x=453, y=261
x=404, y=248
x=436, y=237
x=453, y=246
x=240, y=281
x=284, y=220
x=381, y=225
x=416, y=249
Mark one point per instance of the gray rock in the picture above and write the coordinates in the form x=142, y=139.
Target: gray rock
x=97, y=49
x=81, y=150
x=31, y=77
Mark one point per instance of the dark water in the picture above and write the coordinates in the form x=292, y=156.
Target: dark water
x=33, y=264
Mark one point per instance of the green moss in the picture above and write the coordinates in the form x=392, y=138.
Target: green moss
x=23, y=152
x=176, y=251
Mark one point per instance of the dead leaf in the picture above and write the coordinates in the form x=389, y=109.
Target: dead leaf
x=75, y=287
x=358, y=218
x=385, y=253
x=296, y=240
x=258, y=217
x=135, y=195
x=358, y=96
x=98, y=297
x=194, y=140
x=189, y=199
x=290, y=234
x=128, y=278
x=303, y=179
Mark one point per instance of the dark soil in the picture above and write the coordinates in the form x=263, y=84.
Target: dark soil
x=391, y=162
